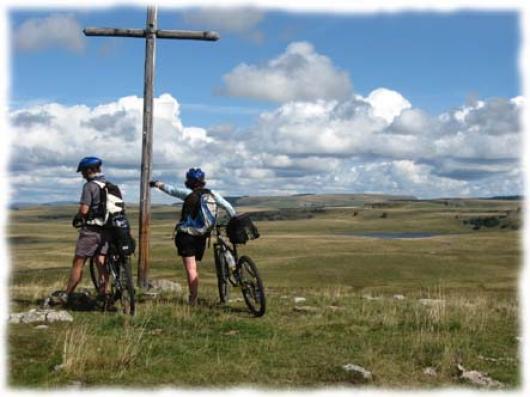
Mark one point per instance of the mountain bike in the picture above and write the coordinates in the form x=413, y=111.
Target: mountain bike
x=237, y=272
x=118, y=267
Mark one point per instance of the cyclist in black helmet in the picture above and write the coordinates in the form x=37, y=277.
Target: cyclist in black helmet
x=195, y=222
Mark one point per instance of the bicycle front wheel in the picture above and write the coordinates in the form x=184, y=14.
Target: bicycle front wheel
x=252, y=286
x=127, y=293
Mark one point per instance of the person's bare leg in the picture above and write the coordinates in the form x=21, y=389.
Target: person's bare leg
x=193, y=278
x=75, y=274
x=103, y=275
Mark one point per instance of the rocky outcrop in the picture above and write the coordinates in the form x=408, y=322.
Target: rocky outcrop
x=358, y=372
x=40, y=316
x=430, y=371
x=163, y=285
x=477, y=378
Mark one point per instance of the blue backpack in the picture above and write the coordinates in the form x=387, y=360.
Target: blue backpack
x=199, y=213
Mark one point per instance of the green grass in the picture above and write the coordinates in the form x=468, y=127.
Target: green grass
x=168, y=343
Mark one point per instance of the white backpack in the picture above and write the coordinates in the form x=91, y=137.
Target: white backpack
x=111, y=203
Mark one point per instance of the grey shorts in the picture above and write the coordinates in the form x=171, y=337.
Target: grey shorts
x=91, y=242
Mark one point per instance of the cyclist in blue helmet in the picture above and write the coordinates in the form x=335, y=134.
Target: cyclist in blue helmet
x=93, y=239
x=191, y=236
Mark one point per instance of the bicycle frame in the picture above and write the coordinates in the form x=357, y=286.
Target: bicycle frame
x=223, y=241
x=113, y=259
x=113, y=266
x=251, y=288
x=115, y=275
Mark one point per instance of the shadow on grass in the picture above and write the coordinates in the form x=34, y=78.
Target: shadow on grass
x=201, y=304
x=86, y=302
x=230, y=309
x=79, y=302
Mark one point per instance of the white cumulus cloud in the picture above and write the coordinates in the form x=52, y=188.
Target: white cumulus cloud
x=387, y=104
x=319, y=146
x=52, y=138
x=53, y=31
x=299, y=74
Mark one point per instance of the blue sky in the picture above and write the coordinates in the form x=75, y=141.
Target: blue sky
x=434, y=60
x=428, y=63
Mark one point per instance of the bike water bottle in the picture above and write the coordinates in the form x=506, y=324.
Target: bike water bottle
x=230, y=261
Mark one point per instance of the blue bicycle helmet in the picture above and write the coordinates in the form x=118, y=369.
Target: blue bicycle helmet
x=194, y=178
x=88, y=162
x=195, y=174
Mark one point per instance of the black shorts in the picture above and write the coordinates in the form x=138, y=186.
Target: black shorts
x=188, y=245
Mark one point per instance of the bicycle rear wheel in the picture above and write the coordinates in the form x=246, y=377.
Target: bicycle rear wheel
x=252, y=286
x=127, y=293
x=221, y=269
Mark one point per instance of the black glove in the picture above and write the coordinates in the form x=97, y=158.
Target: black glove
x=78, y=220
x=153, y=183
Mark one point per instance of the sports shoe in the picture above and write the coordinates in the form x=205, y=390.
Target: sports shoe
x=58, y=298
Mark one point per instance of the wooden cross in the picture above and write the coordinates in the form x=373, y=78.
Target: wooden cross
x=151, y=33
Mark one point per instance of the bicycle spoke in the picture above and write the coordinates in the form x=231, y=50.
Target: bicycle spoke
x=249, y=270
x=251, y=286
x=245, y=275
x=252, y=289
x=125, y=287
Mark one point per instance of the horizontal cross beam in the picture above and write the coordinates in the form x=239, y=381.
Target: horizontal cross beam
x=162, y=34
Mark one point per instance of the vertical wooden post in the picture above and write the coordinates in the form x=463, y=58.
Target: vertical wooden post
x=147, y=147
x=150, y=33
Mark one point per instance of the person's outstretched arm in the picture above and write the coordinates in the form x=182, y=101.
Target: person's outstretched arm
x=225, y=204
x=178, y=192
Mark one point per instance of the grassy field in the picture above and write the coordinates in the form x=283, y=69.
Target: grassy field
x=348, y=281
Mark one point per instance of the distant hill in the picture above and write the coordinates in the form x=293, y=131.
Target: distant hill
x=308, y=200
x=511, y=198
x=303, y=200
x=24, y=204
x=20, y=205
x=60, y=203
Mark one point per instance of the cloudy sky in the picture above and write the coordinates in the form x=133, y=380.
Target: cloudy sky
x=413, y=103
